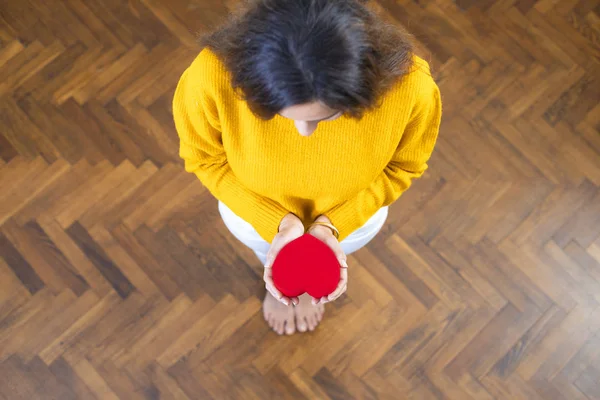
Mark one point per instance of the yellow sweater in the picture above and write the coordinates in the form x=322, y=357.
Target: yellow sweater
x=262, y=170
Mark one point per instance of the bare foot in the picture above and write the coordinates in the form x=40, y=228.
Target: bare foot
x=308, y=315
x=279, y=316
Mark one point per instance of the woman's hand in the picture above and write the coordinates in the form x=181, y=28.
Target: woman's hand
x=326, y=235
x=290, y=228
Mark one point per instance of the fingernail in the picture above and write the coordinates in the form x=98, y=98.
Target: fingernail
x=344, y=263
x=314, y=302
x=287, y=303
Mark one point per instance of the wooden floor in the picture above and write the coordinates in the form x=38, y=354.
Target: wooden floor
x=119, y=281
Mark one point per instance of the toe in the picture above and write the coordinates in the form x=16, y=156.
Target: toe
x=278, y=327
x=302, y=324
x=311, y=323
x=290, y=327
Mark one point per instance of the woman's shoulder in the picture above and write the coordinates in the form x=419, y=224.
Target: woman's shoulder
x=208, y=71
x=207, y=60
x=420, y=67
x=418, y=83
x=419, y=73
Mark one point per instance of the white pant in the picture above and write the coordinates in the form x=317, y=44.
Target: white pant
x=246, y=234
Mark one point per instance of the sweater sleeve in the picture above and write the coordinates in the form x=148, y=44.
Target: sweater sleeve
x=408, y=162
x=201, y=147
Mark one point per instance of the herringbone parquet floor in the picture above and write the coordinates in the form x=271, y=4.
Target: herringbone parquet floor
x=118, y=279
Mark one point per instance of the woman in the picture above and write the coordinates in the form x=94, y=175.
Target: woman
x=306, y=115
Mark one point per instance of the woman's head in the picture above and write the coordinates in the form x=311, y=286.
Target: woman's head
x=311, y=60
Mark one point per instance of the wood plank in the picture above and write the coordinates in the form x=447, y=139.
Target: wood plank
x=20, y=267
x=100, y=259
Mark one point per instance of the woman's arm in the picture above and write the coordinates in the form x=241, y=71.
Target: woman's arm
x=202, y=150
x=409, y=162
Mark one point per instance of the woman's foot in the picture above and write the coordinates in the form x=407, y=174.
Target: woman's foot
x=308, y=315
x=287, y=319
x=279, y=316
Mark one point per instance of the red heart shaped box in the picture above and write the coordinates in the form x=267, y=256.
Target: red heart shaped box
x=306, y=265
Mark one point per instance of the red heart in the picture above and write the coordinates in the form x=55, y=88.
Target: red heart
x=306, y=265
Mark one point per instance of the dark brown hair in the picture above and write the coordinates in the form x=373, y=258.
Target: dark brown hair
x=282, y=53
